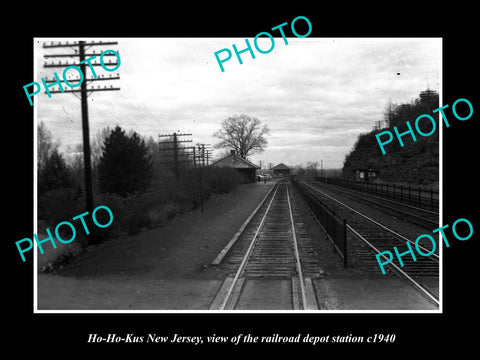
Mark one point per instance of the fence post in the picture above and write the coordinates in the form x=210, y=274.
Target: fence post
x=431, y=198
x=419, y=198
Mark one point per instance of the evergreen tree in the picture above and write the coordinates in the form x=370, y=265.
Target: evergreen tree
x=54, y=173
x=125, y=166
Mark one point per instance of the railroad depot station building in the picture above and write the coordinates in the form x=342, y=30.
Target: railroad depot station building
x=281, y=170
x=246, y=168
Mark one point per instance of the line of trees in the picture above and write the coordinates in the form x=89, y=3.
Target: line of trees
x=311, y=170
x=135, y=176
x=131, y=176
x=415, y=163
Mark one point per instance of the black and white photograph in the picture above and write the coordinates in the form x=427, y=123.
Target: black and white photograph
x=222, y=179
x=253, y=186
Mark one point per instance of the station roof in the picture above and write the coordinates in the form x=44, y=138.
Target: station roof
x=281, y=166
x=235, y=161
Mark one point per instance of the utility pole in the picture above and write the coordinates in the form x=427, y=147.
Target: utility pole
x=175, y=141
x=84, y=90
x=175, y=156
x=204, y=154
x=200, y=180
x=207, y=155
x=86, y=134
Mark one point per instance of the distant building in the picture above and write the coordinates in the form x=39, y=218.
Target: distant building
x=246, y=168
x=281, y=170
x=365, y=174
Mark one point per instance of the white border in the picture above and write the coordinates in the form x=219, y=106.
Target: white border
x=35, y=173
x=35, y=264
x=440, y=176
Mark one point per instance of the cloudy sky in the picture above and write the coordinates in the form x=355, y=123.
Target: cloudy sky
x=316, y=94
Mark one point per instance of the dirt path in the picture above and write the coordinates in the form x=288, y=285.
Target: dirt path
x=162, y=268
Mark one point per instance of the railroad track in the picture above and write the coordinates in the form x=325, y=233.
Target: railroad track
x=398, y=193
x=271, y=261
x=422, y=217
x=367, y=237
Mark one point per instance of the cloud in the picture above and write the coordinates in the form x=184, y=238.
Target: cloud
x=315, y=94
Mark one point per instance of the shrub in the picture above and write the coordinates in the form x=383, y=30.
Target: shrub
x=58, y=205
x=116, y=204
x=137, y=211
x=222, y=180
x=54, y=174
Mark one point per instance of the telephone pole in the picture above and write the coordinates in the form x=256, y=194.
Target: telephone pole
x=204, y=154
x=175, y=141
x=79, y=52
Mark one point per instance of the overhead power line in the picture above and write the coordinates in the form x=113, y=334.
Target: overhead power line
x=80, y=53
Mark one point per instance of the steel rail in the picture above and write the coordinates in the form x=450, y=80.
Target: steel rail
x=297, y=254
x=435, y=256
x=397, y=202
x=247, y=254
x=227, y=248
x=391, y=208
x=396, y=269
x=364, y=197
x=356, y=189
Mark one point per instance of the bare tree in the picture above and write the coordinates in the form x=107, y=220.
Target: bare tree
x=244, y=134
x=45, y=145
x=96, y=143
